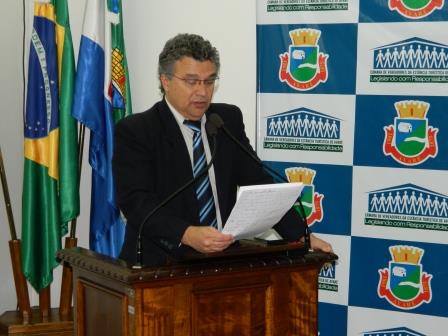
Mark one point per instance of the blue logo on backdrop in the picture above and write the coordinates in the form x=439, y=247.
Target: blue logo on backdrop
x=384, y=141
x=415, y=9
x=403, y=10
x=393, y=332
x=311, y=200
x=304, y=67
x=320, y=181
x=414, y=60
x=410, y=140
x=332, y=54
x=378, y=280
x=327, y=277
x=404, y=284
x=328, y=271
x=407, y=206
x=303, y=129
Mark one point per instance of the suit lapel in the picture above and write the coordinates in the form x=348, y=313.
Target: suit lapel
x=180, y=169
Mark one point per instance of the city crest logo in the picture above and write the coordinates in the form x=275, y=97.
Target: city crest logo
x=311, y=200
x=303, y=68
x=327, y=277
x=303, y=129
x=410, y=141
x=407, y=206
x=117, y=89
x=414, y=60
x=401, y=331
x=404, y=284
x=305, y=5
x=415, y=9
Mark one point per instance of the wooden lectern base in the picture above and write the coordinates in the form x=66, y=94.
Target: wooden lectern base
x=271, y=291
x=11, y=323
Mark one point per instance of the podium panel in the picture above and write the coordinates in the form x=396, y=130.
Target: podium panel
x=272, y=293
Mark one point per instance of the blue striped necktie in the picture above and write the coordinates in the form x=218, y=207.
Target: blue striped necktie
x=204, y=194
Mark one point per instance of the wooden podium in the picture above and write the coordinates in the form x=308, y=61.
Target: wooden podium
x=248, y=290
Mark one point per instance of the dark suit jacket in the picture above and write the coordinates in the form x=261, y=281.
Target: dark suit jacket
x=151, y=161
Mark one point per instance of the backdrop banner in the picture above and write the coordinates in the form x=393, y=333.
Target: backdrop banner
x=352, y=100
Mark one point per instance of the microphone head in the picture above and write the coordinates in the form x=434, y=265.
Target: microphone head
x=216, y=120
x=211, y=128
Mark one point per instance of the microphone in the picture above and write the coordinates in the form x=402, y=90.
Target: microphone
x=219, y=124
x=211, y=130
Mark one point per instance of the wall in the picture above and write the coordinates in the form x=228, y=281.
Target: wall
x=229, y=25
x=10, y=126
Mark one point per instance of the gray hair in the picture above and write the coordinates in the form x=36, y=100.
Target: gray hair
x=186, y=45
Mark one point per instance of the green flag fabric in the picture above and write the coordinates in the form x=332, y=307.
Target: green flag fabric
x=50, y=184
x=68, y=145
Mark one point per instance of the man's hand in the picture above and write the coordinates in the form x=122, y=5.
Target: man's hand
x=318, y=244
x=206, y=239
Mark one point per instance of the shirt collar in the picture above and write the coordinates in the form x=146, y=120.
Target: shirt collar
x=179, y=117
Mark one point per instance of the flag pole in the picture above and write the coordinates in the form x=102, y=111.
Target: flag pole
x=23, y=299
x=81, y=137
x=65, y=302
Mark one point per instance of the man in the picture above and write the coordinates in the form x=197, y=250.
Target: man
x=158, y=151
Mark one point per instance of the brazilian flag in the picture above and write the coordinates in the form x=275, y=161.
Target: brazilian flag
x=50, y=196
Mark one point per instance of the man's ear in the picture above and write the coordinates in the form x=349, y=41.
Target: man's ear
x=165, y=82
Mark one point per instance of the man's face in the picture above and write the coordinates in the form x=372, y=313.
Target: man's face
x=190, y=98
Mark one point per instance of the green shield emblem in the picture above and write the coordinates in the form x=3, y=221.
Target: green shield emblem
x=303, y=62
x=405, y=280
x=410, y=135
x=416, y=4
x=307, y=198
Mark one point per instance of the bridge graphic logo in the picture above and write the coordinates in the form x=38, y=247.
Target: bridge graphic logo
x=407, y=206
x=414, y=60
x=303, y=129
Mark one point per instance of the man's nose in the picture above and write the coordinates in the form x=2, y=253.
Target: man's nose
x=201, y=89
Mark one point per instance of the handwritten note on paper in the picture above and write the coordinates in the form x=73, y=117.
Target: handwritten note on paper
x=260, y=207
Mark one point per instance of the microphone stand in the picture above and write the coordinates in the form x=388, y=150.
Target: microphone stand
x=219, y=124
x=211, y=130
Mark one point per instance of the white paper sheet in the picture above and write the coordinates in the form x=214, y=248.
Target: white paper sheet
x=258, y=208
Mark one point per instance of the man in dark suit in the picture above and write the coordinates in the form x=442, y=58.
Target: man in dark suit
x=159, y=150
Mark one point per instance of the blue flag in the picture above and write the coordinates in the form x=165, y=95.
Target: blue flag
x=101, y=98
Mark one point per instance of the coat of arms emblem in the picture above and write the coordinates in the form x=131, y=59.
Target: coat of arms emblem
x=404, y=284
x=303, y=67
x=410, y=140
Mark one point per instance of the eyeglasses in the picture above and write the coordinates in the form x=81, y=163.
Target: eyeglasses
x=193, y=82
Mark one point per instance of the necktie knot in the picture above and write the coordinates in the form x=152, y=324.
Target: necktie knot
x=194, y=125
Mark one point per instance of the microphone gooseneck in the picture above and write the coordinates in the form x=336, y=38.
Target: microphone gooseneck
x=211, y=130
x=217, y=121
